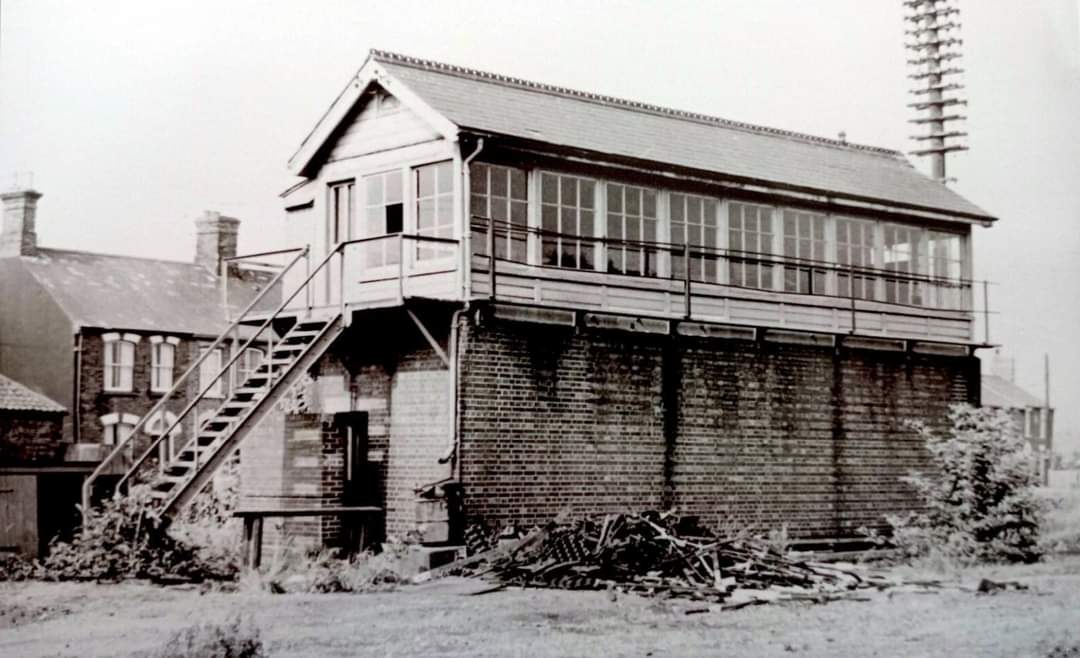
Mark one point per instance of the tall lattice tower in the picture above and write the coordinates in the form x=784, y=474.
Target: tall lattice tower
x=933, y=26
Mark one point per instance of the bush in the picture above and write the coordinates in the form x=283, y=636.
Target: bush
x=124, y=539
x=324, y=571
x=980, y=503
x=236, y=638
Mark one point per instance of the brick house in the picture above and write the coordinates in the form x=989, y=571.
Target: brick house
x=543, y=300
x=106, y=336
x=1032, y=417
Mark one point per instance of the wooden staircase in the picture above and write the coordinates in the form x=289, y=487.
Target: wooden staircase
x=191, y=469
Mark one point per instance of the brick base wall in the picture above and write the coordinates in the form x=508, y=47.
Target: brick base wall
x=753, y=435
x=30, y=437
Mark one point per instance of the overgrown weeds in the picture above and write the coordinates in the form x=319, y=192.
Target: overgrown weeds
x=123, y=539
x=980, y=503
x=237, y=637
x=326, y=571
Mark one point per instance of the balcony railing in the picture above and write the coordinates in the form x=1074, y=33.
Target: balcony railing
x=501, y=241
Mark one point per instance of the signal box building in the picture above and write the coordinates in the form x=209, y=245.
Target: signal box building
x=536, y=300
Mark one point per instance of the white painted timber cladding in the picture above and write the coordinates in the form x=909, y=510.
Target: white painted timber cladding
x=370, y=133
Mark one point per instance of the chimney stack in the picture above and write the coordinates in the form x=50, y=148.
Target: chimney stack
x=215, y=239
x=17, y=235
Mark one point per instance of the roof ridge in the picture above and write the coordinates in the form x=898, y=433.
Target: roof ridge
x=638, y=106
x=107, y=255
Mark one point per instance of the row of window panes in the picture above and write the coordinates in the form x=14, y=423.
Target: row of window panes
x=120, y=366
x=633, y=224
x=384, y=212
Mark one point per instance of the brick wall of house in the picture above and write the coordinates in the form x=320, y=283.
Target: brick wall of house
x=95, y=401
x=760, y=435
x=29, y=437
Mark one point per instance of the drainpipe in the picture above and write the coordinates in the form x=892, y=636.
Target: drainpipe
x=77, y=385
x=466, y=202
x=455, y=319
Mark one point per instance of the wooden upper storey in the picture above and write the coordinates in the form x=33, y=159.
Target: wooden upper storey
x=538, y=223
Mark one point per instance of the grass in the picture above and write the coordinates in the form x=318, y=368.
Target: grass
x=441, y=619
x=1061, y=531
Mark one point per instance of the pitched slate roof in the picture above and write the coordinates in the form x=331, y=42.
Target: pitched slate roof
x=999, y=392
x=17, y=397
x=486, y=102
x=139, y=294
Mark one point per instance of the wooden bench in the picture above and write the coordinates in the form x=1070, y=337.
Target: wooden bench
x=253, y=524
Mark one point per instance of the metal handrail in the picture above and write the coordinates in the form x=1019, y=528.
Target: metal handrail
x=87, y=488
x=756, y=257
x=238, y=353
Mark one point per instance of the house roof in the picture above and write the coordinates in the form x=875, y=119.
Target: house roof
x=999, y=392
x=17, y=397
x=495, y=104
x=140, y=294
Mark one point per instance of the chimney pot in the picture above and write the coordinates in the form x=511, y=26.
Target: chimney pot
x=17, y=234
x=216, y=237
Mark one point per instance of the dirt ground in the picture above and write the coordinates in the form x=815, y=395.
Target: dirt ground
x=69, y=619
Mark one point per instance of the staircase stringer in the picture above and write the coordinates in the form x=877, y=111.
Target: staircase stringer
x=182, y=494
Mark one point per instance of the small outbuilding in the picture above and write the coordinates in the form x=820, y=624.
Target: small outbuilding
x=38, y=490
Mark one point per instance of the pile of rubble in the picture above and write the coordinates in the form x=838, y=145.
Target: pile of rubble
x=659, y=554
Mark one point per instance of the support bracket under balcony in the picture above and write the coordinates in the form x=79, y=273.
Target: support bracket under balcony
x=430, y=339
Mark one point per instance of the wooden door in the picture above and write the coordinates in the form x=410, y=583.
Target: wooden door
x=18, y=514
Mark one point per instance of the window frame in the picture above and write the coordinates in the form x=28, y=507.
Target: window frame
x=218, y=390
x=158, y=345
x=110, y=366
x=380, y=256
x=593, y=242
x=112, y=423
x=419, y=253
x=512, y=233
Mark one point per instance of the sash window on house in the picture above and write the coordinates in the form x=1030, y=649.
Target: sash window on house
x=248, y=363
x=119, y=361
x=208, y=373
x=162, y=362
x=117, y=427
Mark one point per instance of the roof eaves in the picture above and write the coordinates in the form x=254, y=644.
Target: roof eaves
x=765, y=186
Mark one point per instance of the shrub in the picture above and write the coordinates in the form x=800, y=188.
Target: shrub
x=236, y=638
x=124, y=539
x=324, y=571
x=980, y=502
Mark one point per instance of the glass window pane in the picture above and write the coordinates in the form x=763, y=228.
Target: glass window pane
x=588, y=191
x=478, y=174
x=549, y=190
x=518, y=184
x=393, y=187
x=500, y=182
x=374, y=190
x=425, y=181
x=445, y=172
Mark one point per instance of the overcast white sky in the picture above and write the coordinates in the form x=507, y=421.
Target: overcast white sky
x=136, y=116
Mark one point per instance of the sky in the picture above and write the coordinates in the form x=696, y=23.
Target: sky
x=134, y=117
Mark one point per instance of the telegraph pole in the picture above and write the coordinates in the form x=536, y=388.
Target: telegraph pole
x=932, y=29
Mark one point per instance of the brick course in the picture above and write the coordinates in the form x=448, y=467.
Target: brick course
x=761, y=435
x=30, y=437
